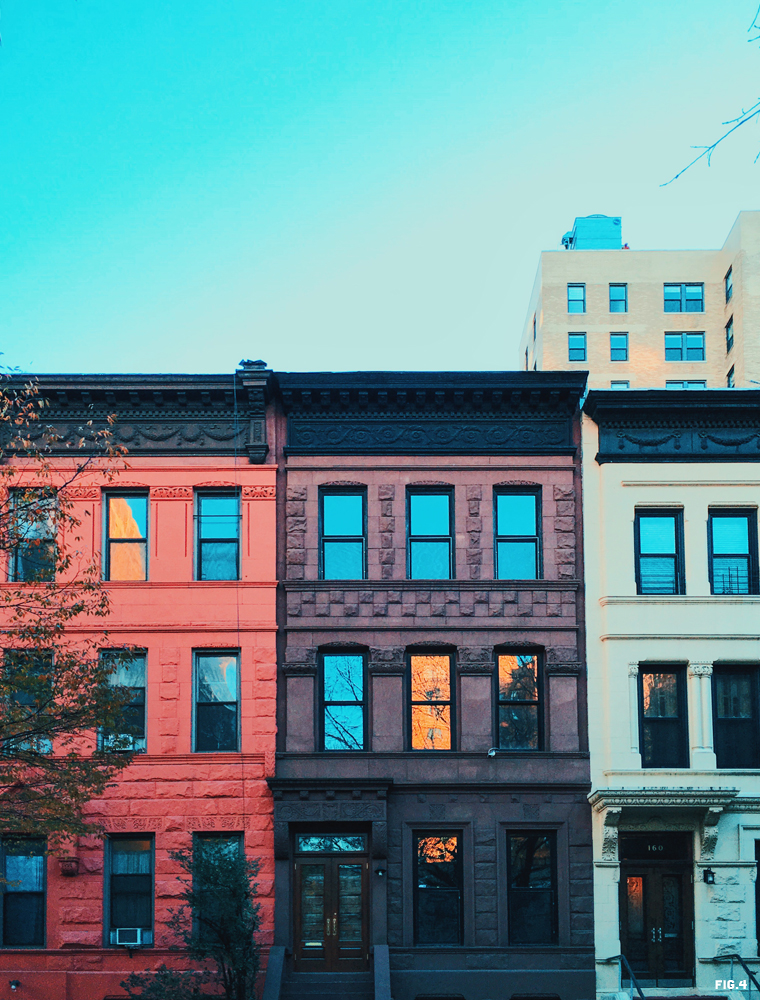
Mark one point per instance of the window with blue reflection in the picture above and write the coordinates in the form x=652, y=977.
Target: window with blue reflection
x=659, y=558
x=216, y=701
x=517, y=537
x=733, y=552
x=343, y=536
x=343, y=698
x=331, y=843
x=430, y=536
x=218, y=516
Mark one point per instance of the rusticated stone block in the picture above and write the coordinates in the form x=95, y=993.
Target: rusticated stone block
x=387, y=558
x=386, y=540
x=296, y=557
x=564, y=492
x=386, y=492
x=296, y=540
x=474, y=492
x=566, y=572
x=386, y=508
x=474, y=524
x=295, y=507
x=386, y=572
x=474, y=557
x=297, y=493
x=564, y=524
x=295, y=523
x=387, y=524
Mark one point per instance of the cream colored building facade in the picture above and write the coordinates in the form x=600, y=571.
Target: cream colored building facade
x=660, y=672
x=617, y=298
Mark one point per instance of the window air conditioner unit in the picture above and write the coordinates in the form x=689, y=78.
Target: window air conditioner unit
x=131, y=937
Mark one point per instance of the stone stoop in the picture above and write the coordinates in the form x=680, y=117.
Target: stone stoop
x=328, y=985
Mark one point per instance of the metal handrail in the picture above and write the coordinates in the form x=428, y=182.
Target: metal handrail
x=624, y=962
x=740, y=960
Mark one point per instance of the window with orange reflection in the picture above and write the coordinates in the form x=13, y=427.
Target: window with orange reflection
x=127, y=537
x=437, y=889
x=519, y=718
x=430, y=698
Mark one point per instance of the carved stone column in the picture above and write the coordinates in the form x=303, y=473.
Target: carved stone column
x=700, y=704
x=633, y=707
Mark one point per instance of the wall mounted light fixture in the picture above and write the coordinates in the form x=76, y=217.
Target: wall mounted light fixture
x=709, y=876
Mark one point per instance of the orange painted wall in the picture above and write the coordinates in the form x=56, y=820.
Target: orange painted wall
x=171, y=792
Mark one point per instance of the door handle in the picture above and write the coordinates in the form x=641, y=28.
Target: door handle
x=328, y=927
x=335, y=922
x=656, y=935
x=659, y=933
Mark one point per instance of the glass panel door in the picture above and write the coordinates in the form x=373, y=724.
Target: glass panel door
x=332, y=914
x=310, y=914
x=655, y=924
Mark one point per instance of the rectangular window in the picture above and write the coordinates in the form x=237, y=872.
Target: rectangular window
x=343, y=521
x=576, y=347
x=517, y=536
x=618, y=298
x=576, y=298
x=33, y=553
x=431, y=702
x=130, y=887
x=23, y=892
x=684, y=347
x=728, y=284
x=664, y=737
x=688, y=297
x=618, y=347
x=729, y=335
x=127, y=537
x=688, y=384
x=216, y=701
x=732, y=551
x=343, y=687
x=210, y=846
x=532, y=887
x=519, y=702
x=32, y=711
x=730, y=379
x=429, y=517
x=658, y=539
x=437, y=888
x=735, y=716
x=621, y=384
x=217, y=517
x=129, y=673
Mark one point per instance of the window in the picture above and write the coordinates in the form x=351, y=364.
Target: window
x=343, y=536
x=127, y=533
x=430, y=539
x=517, y=536
x=688, y=384
x=685, y=298
x=576, y=347
x=621, y=384
x=732, y=551
x=31, y=709
x=130, y=886
x=129, y=673
x=576, y=298
x=343, y=700
x=728, y=284
x=431, y=703
x=730, y=378
x=664, y=739
x=659, y=552
x=217, y=536
x=519, y=716
x=23, y=892
x=618, y=347
x=216, y=701
x=735, y=716
x=532, y=887
x=618, y=298
x=33, y=555
x=729, y=335
x=437, y=888
x=212, y=849
x=684, y=347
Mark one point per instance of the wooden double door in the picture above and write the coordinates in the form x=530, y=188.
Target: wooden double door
x=332, y=914
x=656, y=913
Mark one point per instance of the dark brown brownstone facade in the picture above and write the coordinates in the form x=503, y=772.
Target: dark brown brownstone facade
x=472, y=435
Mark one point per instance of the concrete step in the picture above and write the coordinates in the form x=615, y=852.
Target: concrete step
x=328, y=985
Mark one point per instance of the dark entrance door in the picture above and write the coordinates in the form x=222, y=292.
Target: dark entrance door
x=656, y=908
x=331, y=910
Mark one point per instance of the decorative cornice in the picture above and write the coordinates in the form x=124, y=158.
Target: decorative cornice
x=171, y=493
x=677, y=798
x=633, y=670
x=700, y=669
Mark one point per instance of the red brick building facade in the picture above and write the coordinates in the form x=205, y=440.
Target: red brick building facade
x=192, y=441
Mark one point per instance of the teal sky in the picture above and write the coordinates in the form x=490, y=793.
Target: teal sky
x=337, y=184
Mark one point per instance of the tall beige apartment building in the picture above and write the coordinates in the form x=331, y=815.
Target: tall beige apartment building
x=641, y=319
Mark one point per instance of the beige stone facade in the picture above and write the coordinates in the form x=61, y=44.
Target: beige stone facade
x=644, y=273
x=714, y=809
